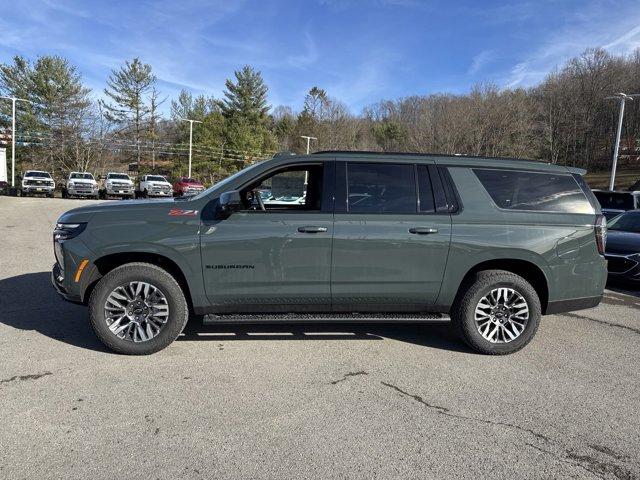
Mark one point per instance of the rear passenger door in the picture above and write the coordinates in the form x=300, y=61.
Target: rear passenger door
x=392, y=229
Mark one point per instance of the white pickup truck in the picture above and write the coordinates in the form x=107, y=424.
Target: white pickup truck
x=154, y=186
x=36, y=182
x=80, y=184
x=117, y=185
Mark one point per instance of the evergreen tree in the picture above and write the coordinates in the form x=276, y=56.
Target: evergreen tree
x=128, y=88
x=59, y=105
x=246, y=98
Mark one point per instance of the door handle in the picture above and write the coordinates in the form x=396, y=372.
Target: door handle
x=312, y=229
x=423, y=230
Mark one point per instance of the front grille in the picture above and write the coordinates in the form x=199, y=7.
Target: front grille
x=620, y=264
x=39, y=182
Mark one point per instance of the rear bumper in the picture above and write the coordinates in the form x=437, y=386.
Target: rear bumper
x=561, y=306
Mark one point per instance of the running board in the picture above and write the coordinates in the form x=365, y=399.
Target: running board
x=258, y=318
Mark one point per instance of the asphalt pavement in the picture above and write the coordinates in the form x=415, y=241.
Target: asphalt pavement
x=304, y=401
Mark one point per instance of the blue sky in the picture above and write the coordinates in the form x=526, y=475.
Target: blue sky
x=359, y=51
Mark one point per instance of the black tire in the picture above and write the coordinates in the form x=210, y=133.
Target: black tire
x=131, y=272
x=463, y=310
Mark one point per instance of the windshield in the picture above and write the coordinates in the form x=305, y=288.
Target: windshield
x=118, y=176
x=627, y=222
x=37, y=174
x=88, y=176
x=155, y=178
x=190, y=180
x=225, y=181
x=615, y=200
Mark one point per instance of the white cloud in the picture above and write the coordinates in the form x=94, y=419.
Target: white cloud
x=480, y=60
x=592, y=27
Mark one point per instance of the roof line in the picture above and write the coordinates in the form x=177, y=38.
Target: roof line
x=444, y=155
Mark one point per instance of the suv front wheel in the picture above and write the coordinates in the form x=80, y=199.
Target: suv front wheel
x=138, y=309
x=497, y=313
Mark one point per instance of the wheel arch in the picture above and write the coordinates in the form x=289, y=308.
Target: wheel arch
x=524, y=268
x=106, y=263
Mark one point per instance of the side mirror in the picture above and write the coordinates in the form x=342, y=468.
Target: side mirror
x=230, y=202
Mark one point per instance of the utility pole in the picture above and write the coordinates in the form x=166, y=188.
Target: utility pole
x=622, y=97
x=13, y=136
x=308, y=140
x=191, y=122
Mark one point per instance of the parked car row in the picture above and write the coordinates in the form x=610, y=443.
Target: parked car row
x=114, y=184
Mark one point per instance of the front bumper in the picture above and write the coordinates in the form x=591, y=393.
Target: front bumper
x=82, y=191
x=122, y=191
x=57, y=279
x=37, y=189
x=160, y=193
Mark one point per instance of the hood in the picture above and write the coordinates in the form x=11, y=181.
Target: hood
x=193, y=184
x=121, y=180
x=156, y=183
x=84, y=214
x=82, y=180
x=622, y=242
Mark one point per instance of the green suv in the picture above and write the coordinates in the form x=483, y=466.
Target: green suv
x=493, y=243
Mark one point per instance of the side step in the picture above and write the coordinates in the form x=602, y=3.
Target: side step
x=258, y=318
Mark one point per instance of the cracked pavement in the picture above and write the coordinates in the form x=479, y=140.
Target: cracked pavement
x=305, y=401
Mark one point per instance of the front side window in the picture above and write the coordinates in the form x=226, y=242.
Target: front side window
x=543, y=192
x=381, y=188
x=292, y=188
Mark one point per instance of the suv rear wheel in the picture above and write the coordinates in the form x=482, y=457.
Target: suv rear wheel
x=497, y=313
x=137, y=309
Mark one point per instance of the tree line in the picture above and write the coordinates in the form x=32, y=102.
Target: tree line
x=565, y=119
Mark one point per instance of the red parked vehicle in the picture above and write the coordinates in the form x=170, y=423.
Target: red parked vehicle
x=187, y=186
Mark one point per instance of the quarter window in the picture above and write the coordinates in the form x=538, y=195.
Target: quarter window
x=544, y=192
x=381, y=188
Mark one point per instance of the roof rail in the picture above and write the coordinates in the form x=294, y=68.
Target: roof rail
x=459, y=155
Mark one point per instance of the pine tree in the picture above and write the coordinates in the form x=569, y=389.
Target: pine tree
x=246, y=98
x=128, y=88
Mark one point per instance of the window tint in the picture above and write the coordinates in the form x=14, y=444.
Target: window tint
x=381, y=188
x=425, y=191
x=627, y=222
x=615, y=200
x=297, y=188
x=545, y=192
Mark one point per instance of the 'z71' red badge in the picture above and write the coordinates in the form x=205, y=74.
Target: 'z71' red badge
x=177, y=212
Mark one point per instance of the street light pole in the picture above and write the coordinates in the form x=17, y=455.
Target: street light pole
x=623, y=97
x=308, y=140
x=191, y=122
x=13, y=136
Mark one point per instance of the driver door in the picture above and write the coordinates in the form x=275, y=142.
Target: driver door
x=275, y=255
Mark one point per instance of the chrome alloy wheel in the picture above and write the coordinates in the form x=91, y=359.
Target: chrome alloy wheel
x=136, y=311
x=501, y=315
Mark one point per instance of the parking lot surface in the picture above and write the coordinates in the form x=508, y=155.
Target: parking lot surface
x=304, y=401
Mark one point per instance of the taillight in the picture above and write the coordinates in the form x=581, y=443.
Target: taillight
x=600, y=229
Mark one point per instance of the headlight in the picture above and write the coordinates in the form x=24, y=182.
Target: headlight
x=67, y=231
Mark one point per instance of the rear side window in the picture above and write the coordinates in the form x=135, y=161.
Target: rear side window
x=381, y=188
x=544, y=192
